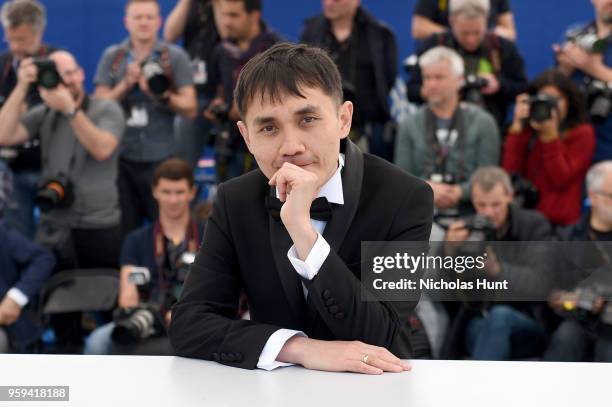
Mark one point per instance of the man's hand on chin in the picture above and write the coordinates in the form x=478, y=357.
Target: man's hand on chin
x=340, y=356
x=297, y=188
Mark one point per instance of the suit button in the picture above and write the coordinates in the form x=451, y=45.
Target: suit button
x=215, y=357
x=224, y=357
x=333, y=309
x=339, y=315
x=238, y=357
x=330, y=302
x=231, y=357
x=326, y=294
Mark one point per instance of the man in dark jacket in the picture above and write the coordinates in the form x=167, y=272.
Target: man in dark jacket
x=500, y=331
x=487, y=56
x=586, y=334
x=24, y=267
x=365, y=51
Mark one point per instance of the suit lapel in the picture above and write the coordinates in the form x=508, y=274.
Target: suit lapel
x=342, y=216
x=280, y=242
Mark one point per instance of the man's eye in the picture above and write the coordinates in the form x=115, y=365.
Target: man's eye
x=267, y=129
x=309, y=119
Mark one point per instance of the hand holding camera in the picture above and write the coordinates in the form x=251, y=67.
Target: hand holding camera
x=492, y=84
x=540, y=111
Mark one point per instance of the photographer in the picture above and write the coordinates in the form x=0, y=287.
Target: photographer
x=153, y=81
x=163, y=248
x=431, y=17
x=586, y=331
x=445, y=141
x=24, y=24
x=196, y=22
x=24, y=267
x=494, y=69
x=500, y=331
x=79, y=139
x=247, y=35
x=365, y=50
x=586, y=56
x=551, y=144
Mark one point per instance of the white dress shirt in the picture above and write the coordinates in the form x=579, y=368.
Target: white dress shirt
x=308, y=269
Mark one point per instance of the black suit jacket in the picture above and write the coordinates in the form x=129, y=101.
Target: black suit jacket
x=244, y=248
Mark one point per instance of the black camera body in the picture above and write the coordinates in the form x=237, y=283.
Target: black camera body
x=135, y=324
x=481, y=228
x=541, y=107
x=56, y=192
x=48, y=76
x=221, y=112
x=156, y=77
x=588, y=41
x=471, y=89
x=600, y=99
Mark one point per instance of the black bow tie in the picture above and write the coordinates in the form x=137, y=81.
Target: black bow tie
x=319, y=210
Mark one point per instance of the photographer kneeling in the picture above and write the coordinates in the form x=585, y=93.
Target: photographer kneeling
x=586, y=331
x=79, y=138
x=154, y=263
x=551, y=143
x=500, y=331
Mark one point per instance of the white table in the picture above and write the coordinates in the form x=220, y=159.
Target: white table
x=140, y=381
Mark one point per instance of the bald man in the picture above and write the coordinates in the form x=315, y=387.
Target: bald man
x=79, y=139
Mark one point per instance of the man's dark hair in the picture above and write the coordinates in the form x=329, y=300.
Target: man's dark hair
x=286, y=69
x=173, y=169
x=250, y=5
x=576, y=103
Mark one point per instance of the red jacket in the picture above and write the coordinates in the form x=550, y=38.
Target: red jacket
x=557, y=169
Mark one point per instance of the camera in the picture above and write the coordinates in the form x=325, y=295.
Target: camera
x=600, y=99
x=48, y=77
x=541, y=107
x=221, y=112
x=57, y=192
x=481, y=228
x=155, y=76
x=471, y=89
x=526, y=194
x=587, y=41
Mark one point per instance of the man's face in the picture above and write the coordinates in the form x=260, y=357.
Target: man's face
x=142, y=20
x=440, y=83
x=469, y=32
x=337, y=9
x=601, y=201
x=603, y=10
x=236, y=20
x=72, y=74
x=303, y=131
x=23, y=40
x=492, y=204
x=173, y=197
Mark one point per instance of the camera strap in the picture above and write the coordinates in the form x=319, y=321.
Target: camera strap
x=192, y=239
x=441, y=151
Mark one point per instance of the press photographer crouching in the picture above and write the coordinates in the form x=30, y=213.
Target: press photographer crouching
x=154, y=263
x=551, y=144
x=79, y=138
x=586, y=331
x=490, y=330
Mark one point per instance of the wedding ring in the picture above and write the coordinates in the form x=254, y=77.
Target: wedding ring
x=365, y=358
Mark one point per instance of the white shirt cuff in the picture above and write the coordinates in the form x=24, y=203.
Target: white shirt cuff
x=18, y=296
x=276, y=341
x=315, y=259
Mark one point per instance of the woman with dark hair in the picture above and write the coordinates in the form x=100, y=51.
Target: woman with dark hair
x=552, y=147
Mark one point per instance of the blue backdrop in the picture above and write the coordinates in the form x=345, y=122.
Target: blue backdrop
x=86, y=27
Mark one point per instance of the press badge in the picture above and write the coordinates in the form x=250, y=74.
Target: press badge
x=138, y=117
x=200, y=74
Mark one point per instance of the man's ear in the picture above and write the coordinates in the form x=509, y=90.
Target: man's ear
x=244, y=131
x=346, y=118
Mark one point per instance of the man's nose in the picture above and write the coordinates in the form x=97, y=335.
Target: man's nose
x=292, y=144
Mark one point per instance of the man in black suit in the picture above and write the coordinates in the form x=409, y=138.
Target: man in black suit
x=297, y=258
